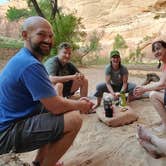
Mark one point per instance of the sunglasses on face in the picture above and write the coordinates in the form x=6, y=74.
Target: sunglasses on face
x=157, y=47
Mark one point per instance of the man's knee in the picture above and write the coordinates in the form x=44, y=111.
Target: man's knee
x=59, y=85
x=131, y=87
x=76, y=120
x=73, y=121
x=85, y=81
x=100, y=89
x=59, y=88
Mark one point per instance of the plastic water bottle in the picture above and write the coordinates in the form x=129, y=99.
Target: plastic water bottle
x=123, y=102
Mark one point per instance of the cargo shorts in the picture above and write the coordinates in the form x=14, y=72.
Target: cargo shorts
x=32, y=132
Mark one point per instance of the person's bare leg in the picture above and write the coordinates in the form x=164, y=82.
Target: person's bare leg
x=132, y=97
x=151, y=149
x=144, y=134
x=157, y=99
x=59, y=89
x=160, y=143
x=148, y=137
x=145, y=138
x=41, y=154
x=84, y=88
x=59, y=164
x=98, y=102
x=82, y=84
x=51, y=153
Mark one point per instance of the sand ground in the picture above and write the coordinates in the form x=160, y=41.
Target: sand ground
x=100, y=145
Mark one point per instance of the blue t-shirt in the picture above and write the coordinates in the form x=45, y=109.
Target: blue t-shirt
x=23, y=82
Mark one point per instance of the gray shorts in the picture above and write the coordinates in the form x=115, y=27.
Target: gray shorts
x=32, y=133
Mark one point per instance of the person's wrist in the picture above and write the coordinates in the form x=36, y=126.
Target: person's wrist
x=82, y=106
x=112, y=93
x=144, y=89
x=73, y=77
x=81, y=103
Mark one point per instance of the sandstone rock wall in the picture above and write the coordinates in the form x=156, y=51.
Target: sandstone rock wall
x=134, y=20
x=10, y=29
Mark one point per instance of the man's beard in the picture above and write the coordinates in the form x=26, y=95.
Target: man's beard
x=38, y=49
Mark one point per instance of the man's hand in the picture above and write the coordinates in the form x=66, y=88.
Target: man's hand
x=139, y=90
x=81, y=76
x=116, y=95
x=86, y=105
x=78, y=76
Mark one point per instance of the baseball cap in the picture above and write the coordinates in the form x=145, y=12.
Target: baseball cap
x=114, y=53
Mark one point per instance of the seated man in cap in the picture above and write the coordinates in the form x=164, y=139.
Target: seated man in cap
x=65, y=77
x=116, y=79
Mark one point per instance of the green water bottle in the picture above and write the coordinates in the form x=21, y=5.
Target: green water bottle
x=122, y=99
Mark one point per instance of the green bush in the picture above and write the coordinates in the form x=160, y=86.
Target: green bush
x=65, y=26
x=146, y=38
x=15, y=14
x=89, y=50
x=6, y=42
x=135, y=56
x=119, y=42
x=67, y=29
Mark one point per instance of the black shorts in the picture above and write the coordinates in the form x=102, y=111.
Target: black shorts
x=32, y=133
x=67, y=89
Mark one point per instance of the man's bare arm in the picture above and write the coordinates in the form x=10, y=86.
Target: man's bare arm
x=108, y=79
x=161, y=84
x=152, y=86
x=55, y=79
x=76, y=76
x=58, y=105
x=125, y=82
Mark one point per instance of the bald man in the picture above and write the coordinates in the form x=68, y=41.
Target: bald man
x=32, y=116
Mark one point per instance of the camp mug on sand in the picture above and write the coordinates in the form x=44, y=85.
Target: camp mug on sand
x=108, y=107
